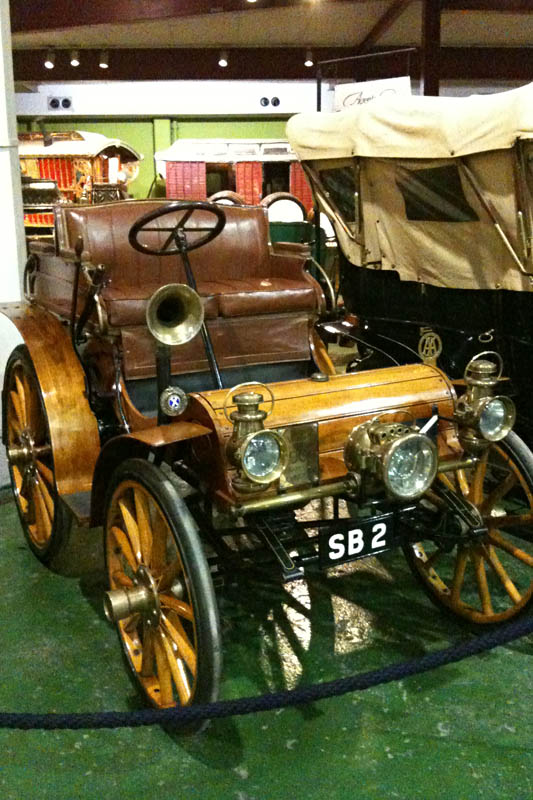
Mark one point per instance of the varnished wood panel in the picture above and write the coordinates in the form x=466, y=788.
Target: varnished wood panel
x=73, y=427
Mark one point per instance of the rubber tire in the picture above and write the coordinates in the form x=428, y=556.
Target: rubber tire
x=186, y=535
x=523, y=458
x=63, y=519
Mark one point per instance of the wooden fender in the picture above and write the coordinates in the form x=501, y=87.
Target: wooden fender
x=73, y=427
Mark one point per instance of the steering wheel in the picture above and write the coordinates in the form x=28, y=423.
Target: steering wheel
x=177, y=241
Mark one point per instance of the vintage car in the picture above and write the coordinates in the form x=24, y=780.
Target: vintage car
x=432, y=202
x=173, y=387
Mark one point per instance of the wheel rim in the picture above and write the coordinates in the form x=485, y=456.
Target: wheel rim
x=489, y=578
x=160, y=640
x=29, y=455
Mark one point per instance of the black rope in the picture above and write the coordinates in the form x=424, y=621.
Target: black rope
x=177, y=717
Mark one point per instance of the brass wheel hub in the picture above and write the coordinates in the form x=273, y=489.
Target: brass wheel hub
x=26, y=452
x=141, y=598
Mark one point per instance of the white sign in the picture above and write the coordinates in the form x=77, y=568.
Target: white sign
x=356, y=94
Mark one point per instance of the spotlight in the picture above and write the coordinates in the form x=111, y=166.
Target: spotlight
x=50, y=59
x=309, y=59
x=223, y=59
x=250, y=1
x=74, y=58
x=104, y=59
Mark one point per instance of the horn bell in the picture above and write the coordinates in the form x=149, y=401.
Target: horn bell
x=174, y=314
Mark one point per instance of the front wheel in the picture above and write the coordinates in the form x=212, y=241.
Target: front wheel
x=162, y=597
x=45, y=520
x=486, y=575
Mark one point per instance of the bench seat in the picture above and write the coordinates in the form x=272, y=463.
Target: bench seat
x=240, y=275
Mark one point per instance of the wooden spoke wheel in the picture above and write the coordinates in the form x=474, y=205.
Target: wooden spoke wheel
x=45, y=520
x=162, y=598
x=484, y=576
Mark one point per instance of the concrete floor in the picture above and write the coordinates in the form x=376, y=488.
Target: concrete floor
x=459, y=733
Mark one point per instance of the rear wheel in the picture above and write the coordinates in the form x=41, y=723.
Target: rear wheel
x=484, y=576
x=162, y=597
x=45, y=520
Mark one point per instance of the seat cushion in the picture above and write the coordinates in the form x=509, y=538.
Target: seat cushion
x=127, y=305
x=240, y=298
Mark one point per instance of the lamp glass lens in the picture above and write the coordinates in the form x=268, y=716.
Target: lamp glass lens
x=410, y=467
x=493, y=420
x=262, y=455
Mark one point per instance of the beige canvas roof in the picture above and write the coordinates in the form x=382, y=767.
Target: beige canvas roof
x=396, y=126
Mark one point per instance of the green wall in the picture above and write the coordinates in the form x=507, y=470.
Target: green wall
x=147, y=136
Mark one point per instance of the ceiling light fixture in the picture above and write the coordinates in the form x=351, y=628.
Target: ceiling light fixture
x=50, y=59
x=309, y=59
x=223, y=59
x=104, y=59
x=74, y=58
x=251, y=1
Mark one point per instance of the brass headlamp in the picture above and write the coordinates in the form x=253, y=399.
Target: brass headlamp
x=259, y=455
x=393, y=454
x=483, y=417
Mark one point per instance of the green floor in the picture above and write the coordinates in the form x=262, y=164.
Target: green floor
x=461, y=732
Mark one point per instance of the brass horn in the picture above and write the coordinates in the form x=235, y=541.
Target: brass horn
x=174, y=314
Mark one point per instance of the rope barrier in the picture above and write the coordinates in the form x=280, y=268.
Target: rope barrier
x=179, y=717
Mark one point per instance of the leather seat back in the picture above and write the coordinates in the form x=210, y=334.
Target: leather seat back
x=240, y=250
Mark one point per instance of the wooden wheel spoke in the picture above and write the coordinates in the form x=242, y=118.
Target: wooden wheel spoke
x=179, y=606
x=504, y=544
x=46, y=472
x=147, y=665
x=159, y=543
x=43, y=522
x=26, y=493
x=444, y=478
x=132, y=623
x=47, y=497
x=169, y=574
x=491, y=557
x=432, y=560
x=132, y=529
x=20, y=414
x=125, y=547
x=14, y=425
x=498, y=493
x=458, y=575
x=22, y=400
x=511, y=520
x=164, y=674
x=142, y=513
x=478, y=479
x=462, y=482
x=481, y=581
x=181, y=640
x=177, y=671
x=119, y=577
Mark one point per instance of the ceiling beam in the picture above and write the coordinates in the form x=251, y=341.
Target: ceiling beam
x=513, y=6
x=473, y=63
x=58, y=14
x=431, y=45
x=382, y=25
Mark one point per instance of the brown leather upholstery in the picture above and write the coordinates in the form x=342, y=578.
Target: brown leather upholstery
x=246, y=283
x=238, y=273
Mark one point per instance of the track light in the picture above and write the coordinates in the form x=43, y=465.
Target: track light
x=103, y=63
x=50, y=59
x=309, y=59
x=223, y=59
x=74, y=58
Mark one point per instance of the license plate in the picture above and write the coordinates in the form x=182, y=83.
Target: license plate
x=369, y=537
